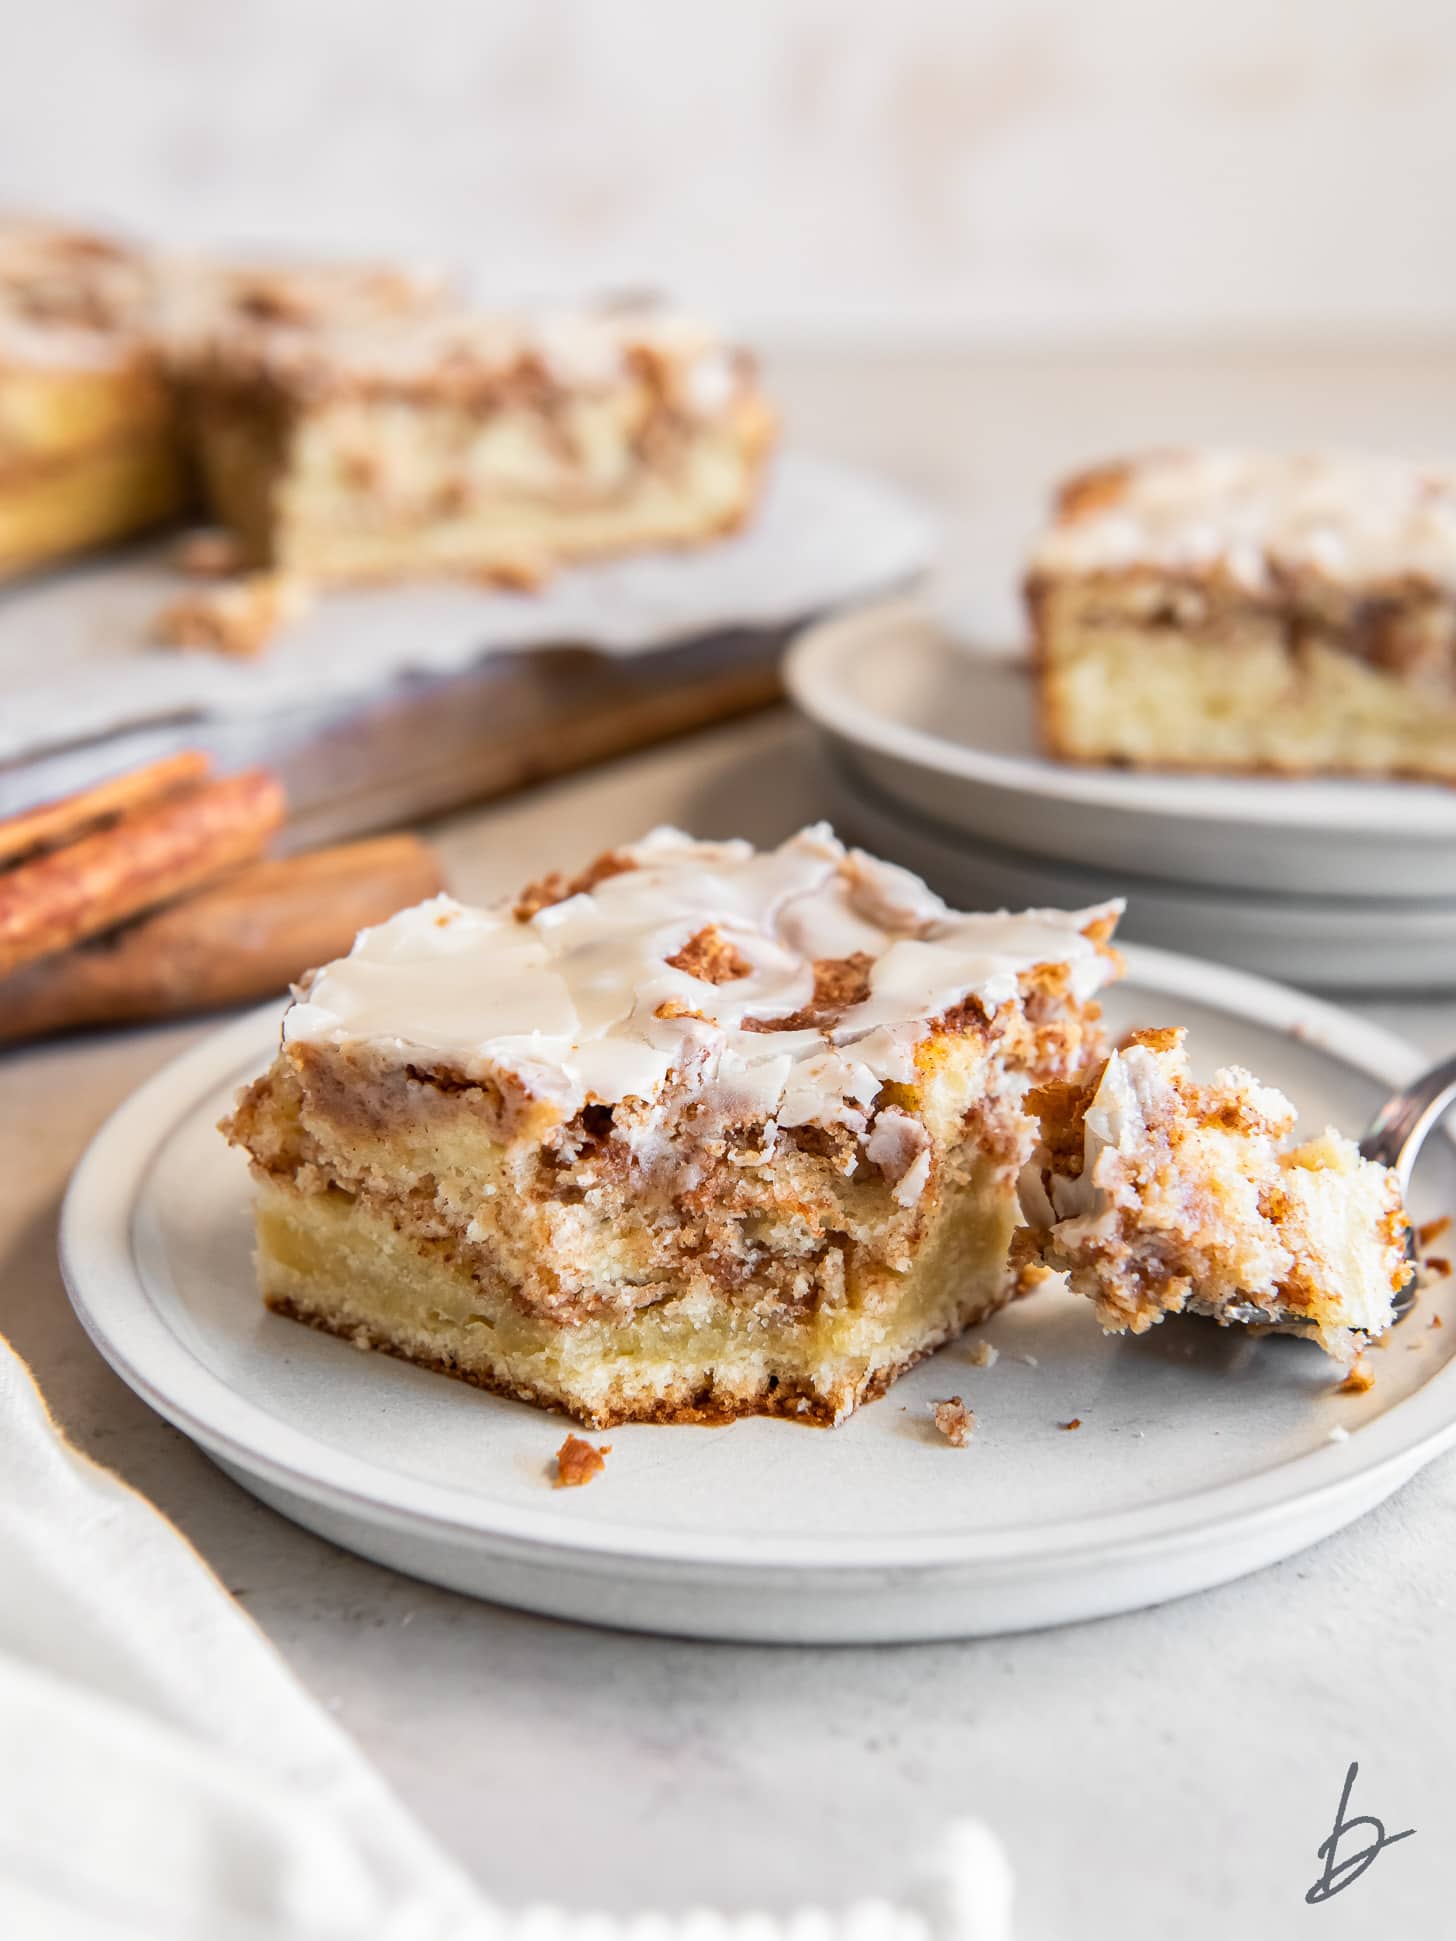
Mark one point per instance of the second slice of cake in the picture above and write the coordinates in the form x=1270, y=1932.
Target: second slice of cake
x=1245, y=611
x=705, y=1132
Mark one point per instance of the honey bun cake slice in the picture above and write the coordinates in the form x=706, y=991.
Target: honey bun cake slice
x=703, y=1132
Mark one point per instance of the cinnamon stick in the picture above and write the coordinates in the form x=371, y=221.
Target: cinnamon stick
x=244, y=938
x=143, y=859
x=70, y=816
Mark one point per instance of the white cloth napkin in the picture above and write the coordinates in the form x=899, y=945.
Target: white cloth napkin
x=163, y=1777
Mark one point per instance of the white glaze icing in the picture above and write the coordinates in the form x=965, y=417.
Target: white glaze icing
x=566, y=1004
x=357, y=324
x=1353, y=519
x=68, y=299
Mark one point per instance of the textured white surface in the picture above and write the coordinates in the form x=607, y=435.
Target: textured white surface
x=77, y=656
x=929, y=166
x=164, y=1772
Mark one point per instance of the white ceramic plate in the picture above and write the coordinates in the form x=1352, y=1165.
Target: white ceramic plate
x=1201, y=1455
x=952, y=733
x=1330, y=943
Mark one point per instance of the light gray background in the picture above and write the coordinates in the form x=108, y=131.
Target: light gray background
x=1058, y=169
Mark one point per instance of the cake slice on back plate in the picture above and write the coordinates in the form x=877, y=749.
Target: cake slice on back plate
x=358, y=426
x=704, y=1132
x=1236, y=611
x=1155, y=1195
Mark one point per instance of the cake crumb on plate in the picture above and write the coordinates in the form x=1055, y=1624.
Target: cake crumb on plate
x=578, y=1461
x=954, y=1421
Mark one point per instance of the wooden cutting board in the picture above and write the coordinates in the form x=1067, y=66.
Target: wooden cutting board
x=428, y=744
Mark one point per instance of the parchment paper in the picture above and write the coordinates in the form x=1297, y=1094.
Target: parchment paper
x=77, y=662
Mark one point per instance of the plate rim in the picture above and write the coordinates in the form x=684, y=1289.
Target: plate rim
x=1378, y=808
x=109, y=1293
x=1437, y=915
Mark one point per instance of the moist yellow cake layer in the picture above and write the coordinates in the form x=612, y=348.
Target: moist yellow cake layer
x=439, y=1160
x=56, y=412
x=382, y=490
x=342, y=1265
x=87, y=499
x=1243, y=701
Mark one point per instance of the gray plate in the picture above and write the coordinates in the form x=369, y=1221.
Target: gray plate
x=951, y=734
x=1202, y=1454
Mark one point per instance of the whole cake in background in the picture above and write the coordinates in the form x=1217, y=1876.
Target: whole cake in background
x=705, y=1132
x=1235, y=611
x=347, y=422
x=89, y=443
x=373, y=431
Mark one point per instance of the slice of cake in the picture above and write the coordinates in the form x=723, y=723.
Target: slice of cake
x=369, y=429
x=1229, y=611
x=1156, y=1195
x=89, y=451
x=705, y=1132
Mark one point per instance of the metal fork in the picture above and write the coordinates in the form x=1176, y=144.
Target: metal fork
x=1396, y=1135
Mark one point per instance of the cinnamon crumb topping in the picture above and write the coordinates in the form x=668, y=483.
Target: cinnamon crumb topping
x=555, y=888
x=577, y=1462
x=1164, y=1037
x=1075, y=1423
x=1094, y=490
x=954, y=1421
x=1437, y=1264
x=1360, y=1378
x=839, y=984
x=711, y=957
x=670, y=1008
x=1433, y=1229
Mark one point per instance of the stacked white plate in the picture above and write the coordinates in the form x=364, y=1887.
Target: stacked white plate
x=936, y=763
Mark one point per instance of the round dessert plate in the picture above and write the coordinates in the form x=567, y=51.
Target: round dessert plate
x=1104, y=1474
x=951, y=733
x=1330, y=943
